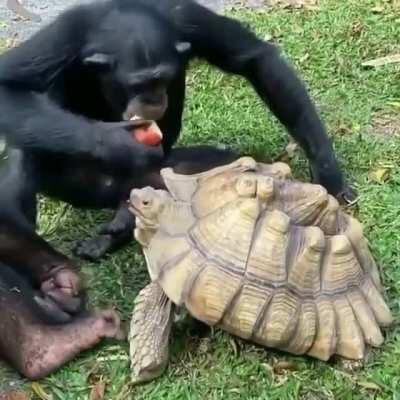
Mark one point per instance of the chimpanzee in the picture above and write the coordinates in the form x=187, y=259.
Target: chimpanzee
x=115, y=60
x=64, y=95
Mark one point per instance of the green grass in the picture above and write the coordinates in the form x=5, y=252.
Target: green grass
x=328, y=47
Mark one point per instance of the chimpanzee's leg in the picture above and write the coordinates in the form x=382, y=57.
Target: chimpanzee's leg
x=85, y=184
x=21, y=248
x=39, y=287
x=32, y=342
x=18, y=188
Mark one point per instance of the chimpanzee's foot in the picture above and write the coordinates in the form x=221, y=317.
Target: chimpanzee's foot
x=45, y=348
x=60, y=294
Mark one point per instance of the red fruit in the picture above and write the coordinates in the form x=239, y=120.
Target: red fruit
x=149, y=135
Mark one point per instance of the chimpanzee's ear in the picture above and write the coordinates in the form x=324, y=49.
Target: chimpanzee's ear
x=99, y=60
x=183, y=47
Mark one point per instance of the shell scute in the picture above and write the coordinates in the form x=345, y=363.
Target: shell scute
x=350, y=340
x=212, y=293
x=325, y=342
x=304, y=334
x=248, y=308
x=267, y=257
x=226, y=235
x=280, y=320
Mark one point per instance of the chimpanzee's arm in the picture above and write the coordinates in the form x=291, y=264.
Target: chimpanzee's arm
x=31, y=120
x=225, y=43
x=28, y=117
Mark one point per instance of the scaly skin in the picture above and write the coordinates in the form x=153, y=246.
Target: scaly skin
x=149, y=334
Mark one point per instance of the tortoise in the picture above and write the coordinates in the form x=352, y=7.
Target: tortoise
x=246, y=248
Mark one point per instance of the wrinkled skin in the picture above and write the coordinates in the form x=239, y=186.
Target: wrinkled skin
x=38, y=337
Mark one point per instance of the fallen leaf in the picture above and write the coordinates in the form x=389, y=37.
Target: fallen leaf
x=268, y=368
x=357, y=29
x=291, y=149
x=378, y=62
x=40, y=392
x=12, y=42
x=378, y=9
x=296, y=4
x=268, y=37
x=281, y=367
x=115, y=357
x=349, y=366
x=234, y=346
x=380, y=175
x=304, y=57
x=356, y=128
x=97, y=392
x=15, y=395
x=289, y=152
x=386, y=124
x=16, y=7
x=343, y=129
x=125, y=393
x=368, y=385
x=394, y=104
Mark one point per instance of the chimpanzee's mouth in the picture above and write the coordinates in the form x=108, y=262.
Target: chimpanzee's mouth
x=139, y=120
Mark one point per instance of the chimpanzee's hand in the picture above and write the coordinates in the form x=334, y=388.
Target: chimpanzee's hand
x=328, y=174
x=119, y=147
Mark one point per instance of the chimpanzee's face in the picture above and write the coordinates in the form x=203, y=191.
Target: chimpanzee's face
x=136, y=62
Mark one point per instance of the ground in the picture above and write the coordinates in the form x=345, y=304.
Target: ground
x=361, y=108
x=13, y=25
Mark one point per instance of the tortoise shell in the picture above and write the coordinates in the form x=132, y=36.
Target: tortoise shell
x=269, y=259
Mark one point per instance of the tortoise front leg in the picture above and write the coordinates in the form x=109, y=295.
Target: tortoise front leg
x=149, y=333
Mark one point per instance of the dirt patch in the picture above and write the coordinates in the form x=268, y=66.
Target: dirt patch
x=266, y=4
x=25, y=17
x=9, y=381
x=307, y=4
x=13, y=24
x=385, y=124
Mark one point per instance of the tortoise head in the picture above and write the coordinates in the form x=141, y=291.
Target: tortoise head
x=147, y=205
